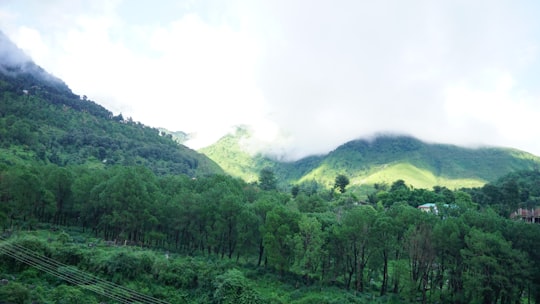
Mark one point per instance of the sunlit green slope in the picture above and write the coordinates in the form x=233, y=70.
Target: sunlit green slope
x=381, y=160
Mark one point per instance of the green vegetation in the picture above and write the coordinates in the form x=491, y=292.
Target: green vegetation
x=42, y=121
x=382, y=160
x=98, y=208
x=232, y=242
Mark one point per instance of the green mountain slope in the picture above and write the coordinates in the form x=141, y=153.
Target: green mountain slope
x=382, y=160
x=41, y=120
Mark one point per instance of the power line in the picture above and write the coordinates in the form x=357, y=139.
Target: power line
x=75, y=276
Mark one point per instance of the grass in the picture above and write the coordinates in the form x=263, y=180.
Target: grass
x=419, y=164
x=417, y=177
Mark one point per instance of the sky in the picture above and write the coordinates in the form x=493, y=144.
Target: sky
x=307, y=76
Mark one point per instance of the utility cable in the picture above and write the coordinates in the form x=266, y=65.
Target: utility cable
x=75, y=276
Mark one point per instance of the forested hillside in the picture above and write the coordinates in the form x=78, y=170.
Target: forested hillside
x=41, y=120
x=383, y=159
x=97, y=208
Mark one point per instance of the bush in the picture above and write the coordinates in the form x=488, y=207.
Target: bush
x=232, y=287
x=14, y=292
x=64, y=294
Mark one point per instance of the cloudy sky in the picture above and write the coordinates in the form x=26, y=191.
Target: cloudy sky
x=312, y=74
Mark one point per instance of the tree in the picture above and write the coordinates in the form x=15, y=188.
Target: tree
x=312, y=203
x=385, y=242
x=357, y=233
x=495, y=270
x=448, y=241
x=267, y=179
x=295, y=190
x=308, y=246
x=58, y=182
x=420, y=249
x=279, y=230
x=341, y=182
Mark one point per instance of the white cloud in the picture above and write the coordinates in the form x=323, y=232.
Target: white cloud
x=313, y=74
x=29, y=40
x=510, y=113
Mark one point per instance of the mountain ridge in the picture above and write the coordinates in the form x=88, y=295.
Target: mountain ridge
x=381, y=159
x=43, y=121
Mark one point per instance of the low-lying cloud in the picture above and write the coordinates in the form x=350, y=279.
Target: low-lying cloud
x=309, y=74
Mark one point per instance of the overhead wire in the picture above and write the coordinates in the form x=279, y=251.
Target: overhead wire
x=75, y=276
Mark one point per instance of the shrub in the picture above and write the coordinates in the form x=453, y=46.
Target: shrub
x=233, y=287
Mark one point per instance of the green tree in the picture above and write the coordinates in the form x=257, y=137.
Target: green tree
x=261, y=207
x=419, y=246
x=384, y=239
x=126, y=199
x=308, y=246
x=357, y=232
x=449, y=240
x=267, y=179
x=280, y=227
x=495, y=271
x=341, y=182
x=312, y=203
x=58, y=182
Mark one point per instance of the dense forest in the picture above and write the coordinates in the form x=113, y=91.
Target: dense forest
x=381, y=159
x=221, y=230
x=42, y=120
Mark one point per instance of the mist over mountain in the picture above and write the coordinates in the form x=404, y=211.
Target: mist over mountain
x=42, y=121
x=64, y=134
x=380, y=159
x=14, y=62
x=10, y=54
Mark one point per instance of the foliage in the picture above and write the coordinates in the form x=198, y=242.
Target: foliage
x=341, y=182
x=232, y=287
x=381, y=160
x=267, y=179
x=14, y=292
x=109, y=197
x=463, y=255
x=42, y=121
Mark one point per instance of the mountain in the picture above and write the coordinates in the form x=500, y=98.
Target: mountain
x=42, y=120
x=383, y=159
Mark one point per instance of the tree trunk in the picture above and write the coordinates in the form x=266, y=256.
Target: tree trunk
x=261, y=253
x=384, y=284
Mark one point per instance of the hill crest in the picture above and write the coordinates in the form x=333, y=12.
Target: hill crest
x=43, y=121
x=380, y=159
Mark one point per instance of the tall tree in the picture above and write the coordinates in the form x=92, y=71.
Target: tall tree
x=495, y=271
x=267, y=179
x=308, y=246
x=384, y=236
x=357, y=231
x=279, y=231
x=341, y=182
x=59, y=181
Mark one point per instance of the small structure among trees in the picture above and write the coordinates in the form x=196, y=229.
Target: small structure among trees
x=527, y=215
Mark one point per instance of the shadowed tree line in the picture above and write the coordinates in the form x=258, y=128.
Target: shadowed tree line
x=466, y=252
